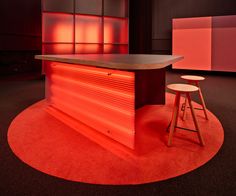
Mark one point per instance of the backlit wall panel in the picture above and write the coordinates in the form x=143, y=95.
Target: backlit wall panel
x=192, y=39
x=57, y=28
x=115, y=30
x=117, y=8
x=224, y=43
x=88, y=48
x=88, y=26
x=58, y=48
x=66, y=6
x=112, y=48
x=93, y=7
x=101, y=98
x=88, y=29
x=207, y=43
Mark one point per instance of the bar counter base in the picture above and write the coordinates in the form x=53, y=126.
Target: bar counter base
x=48, y=145
x=102, y=98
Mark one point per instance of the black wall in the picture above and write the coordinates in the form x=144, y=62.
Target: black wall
x=140, y=26
x=164, y=10
x=20, y=24
x=20, y=35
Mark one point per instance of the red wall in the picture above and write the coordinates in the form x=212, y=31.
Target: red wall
x=85, y=28
x=224, y=43
x=207, y=43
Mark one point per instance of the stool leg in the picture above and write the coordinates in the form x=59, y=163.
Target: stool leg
x=202, y=100
x=195, y=120
x=184, y=108
x=185, y=104
x=174, y=118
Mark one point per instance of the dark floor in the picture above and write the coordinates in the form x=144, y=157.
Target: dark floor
x=217, y=177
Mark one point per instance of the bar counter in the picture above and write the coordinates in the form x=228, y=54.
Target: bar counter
x=104, y=91
x=116, y=61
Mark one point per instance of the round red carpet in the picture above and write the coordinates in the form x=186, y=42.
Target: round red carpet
x=52, y=147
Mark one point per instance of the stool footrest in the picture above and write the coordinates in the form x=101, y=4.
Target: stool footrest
x=182, y=108
x=198, y=108
x=186, y=129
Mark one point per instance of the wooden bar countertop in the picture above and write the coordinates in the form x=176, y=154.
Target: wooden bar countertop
x=116, y=61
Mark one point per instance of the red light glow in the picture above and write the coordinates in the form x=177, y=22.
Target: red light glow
x=88, y=48
x=57, y=48
x=101, y=98
x=192, y=39
x=111, y=49
x=88, y=29
x=57, y=28
x=115, y=30
x=89, y=35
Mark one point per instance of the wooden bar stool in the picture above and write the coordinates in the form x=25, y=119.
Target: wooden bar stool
x=194, y=80
x=183, y=89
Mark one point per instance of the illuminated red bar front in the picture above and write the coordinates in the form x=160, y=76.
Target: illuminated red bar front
x=104, y=91
x=101, y=98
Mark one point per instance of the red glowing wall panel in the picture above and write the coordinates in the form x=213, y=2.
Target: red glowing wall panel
x=192, y=39
x=57, y=28
x=115, y=30
x=117, y=8
x=113, y=49
x=101, y=98
x=224, y=43
x=88, y=48
x=100, y=26
x=91, y=7
x=57, y=48
x=88, y=29
x=66, y=6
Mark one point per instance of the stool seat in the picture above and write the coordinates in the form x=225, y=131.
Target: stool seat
x=182, y=88
x=192, y=78
x=195, y=80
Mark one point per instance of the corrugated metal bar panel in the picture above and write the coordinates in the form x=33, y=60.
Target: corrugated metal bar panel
x=101, y=98
x=89, y=105
x=94, y=76
x=94, y=91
